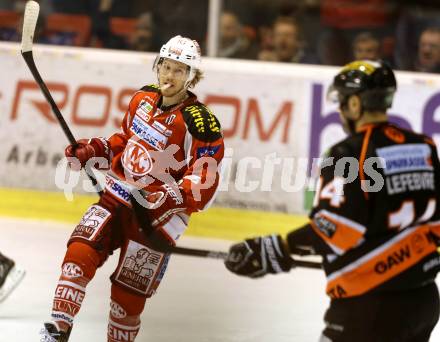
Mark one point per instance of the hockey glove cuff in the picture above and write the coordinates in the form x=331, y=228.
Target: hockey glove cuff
x=259, y=256
x=87, y=149
x=163, y=202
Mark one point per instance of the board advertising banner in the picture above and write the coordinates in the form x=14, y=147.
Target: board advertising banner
x=275, y=117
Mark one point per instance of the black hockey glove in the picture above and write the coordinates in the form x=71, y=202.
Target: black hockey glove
x=259, y=256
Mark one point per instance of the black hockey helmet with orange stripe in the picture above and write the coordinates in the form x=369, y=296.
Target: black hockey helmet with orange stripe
x=373, y=81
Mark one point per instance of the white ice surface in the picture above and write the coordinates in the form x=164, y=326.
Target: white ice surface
x=197, y=301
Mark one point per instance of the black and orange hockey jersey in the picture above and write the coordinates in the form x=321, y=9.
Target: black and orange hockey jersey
x=376, y=215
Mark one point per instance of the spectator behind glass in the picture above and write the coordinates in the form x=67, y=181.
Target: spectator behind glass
x=41, y=36
x=72, y=7
x=414, y=17
x=18, y=6
x=142, y=37
x=366, y=46
x=185, y=17
x=288, y=45
x=233, y=41
x=343, y=20
x=428, y=55
x=119, y=8
x=13, y=33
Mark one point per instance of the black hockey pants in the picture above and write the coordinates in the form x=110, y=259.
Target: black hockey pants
x=403, y=316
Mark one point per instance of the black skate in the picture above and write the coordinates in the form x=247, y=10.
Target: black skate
x=51, y=333
x=10, y=276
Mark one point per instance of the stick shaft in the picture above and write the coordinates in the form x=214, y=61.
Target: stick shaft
x=223, y=255
x=28, y=57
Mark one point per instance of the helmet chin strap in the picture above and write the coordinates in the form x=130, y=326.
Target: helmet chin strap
x=351, y=124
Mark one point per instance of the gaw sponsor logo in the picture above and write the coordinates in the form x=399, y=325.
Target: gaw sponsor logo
x=392, y=260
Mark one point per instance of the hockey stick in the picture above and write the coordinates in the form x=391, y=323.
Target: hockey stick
x=224, y=255
x=29, y=24
x=160, y=245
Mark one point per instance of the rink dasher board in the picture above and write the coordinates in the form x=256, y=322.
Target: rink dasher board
x=216, y=222
x=267, y=110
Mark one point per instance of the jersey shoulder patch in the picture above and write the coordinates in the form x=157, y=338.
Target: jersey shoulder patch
x=151, y=88
x=201, y=122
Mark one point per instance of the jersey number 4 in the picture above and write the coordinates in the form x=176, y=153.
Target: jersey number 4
x=332, y=191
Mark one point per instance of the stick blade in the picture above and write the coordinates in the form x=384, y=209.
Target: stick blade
x=29, y=24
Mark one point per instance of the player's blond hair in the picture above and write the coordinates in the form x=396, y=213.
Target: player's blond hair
x=197, y=78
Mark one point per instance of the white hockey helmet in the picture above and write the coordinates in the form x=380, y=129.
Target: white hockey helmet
x=184, y=50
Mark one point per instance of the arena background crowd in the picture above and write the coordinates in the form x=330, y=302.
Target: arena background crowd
x=331, y=32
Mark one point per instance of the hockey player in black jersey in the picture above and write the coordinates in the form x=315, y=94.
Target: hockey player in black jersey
x=375, y=221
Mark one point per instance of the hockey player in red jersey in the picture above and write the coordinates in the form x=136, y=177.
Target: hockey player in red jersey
x=167, y=157
x=378, y=232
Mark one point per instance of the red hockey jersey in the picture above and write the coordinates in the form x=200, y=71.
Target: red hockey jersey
x=182, y=144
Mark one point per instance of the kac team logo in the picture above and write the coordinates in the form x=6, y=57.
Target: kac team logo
x=137, y=159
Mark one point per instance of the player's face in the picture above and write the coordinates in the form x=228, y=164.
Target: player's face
x=174, y=75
